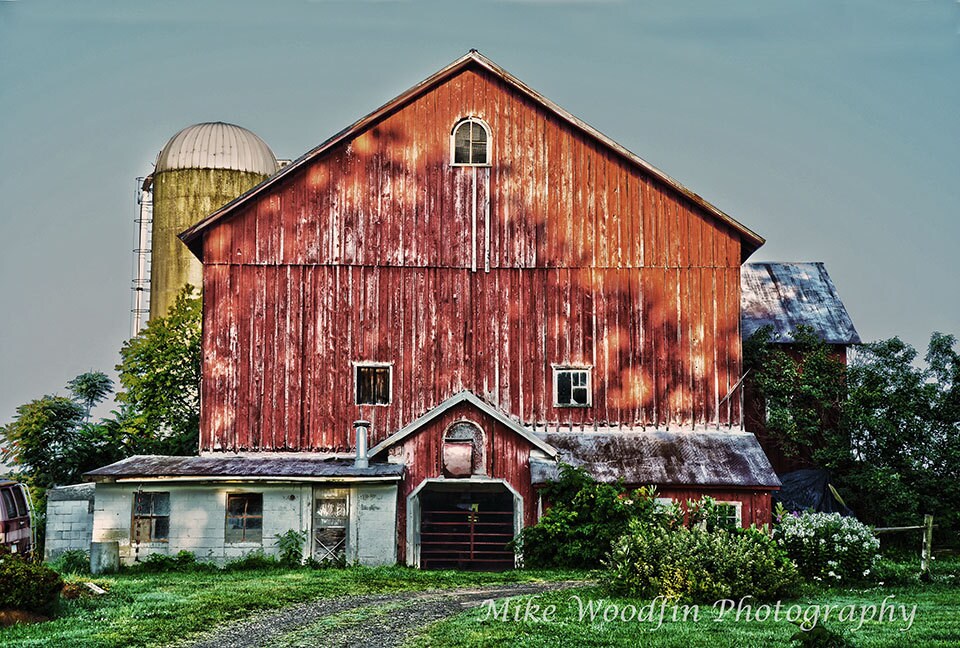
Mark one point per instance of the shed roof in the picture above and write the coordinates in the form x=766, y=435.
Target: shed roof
x=241, y=467
x=731, y=459
x=192, y=236
x=788, y=295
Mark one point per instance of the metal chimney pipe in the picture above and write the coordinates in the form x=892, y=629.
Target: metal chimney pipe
x=361, y=427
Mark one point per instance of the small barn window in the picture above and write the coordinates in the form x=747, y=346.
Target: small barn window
x=373, y=383
x=572, y=387
x=471, y=143
x=151, y=517
x=729, y=515
x=244, y=518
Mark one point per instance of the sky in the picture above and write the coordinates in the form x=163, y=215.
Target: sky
x=830, y=127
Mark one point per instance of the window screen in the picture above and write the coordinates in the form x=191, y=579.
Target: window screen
x=330, y=525
x=572, y=387
x=151, y=517
x=470, y=144
x=244, y=518
x=373, y=384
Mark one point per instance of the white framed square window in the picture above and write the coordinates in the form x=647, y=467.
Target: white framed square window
x=572, y=386
x=372, y=383
x=730, y=514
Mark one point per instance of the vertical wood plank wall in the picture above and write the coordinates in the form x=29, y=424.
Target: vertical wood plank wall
x=367, y=254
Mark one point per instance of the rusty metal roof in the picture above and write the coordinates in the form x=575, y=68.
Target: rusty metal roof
x=731, y=459
x=750, y=239
x=238, y=467
x=788, y=295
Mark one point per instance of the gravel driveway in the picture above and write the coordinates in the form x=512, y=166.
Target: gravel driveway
x=381, y=620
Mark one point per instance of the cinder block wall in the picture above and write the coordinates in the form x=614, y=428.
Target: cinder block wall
x=69, y=519
x=197, y=519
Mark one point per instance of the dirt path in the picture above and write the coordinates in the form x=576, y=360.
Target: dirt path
x=380, y=620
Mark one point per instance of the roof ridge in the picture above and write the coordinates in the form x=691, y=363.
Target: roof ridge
x=191, y=235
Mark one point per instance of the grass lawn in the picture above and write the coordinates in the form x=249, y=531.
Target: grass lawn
x=151, y=609
x=936, y=623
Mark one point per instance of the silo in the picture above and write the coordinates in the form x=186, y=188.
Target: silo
x=202, y=168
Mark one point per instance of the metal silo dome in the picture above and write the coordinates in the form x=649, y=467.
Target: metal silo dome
x=217, y=145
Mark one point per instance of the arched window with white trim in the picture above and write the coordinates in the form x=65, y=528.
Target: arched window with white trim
x=470, y=143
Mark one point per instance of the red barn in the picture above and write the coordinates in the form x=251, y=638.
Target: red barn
x=487, y=285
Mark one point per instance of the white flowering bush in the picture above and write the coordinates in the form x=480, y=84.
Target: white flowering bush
x=827, y=546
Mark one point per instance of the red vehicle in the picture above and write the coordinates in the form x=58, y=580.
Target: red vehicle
x=15, y=528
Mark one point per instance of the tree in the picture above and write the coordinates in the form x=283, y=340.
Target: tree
x=804, y=392
x=160, y=373
x=39, y=435
x=887, y=427
x=90, y=388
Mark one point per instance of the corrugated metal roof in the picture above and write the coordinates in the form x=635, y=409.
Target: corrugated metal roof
x=732, y=459
x=233, y=466
x=787, y=295
x=750, y=239
x=216, y=145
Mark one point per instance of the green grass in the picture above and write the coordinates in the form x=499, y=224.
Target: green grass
x=151, y=609
x=936, y=623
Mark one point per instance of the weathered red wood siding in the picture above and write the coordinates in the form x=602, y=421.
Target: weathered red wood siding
x=755, y=504
x=368, y=254
x=507, y=457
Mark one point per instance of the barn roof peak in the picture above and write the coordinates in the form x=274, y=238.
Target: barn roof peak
x=193, y=236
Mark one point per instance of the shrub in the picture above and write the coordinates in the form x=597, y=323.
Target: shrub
x=585, y=518
x=827, y=546
x=28, y=586
x=290, y=545
x=697, y=565
x=184, y=561
x=253, y=560
x=74, y=561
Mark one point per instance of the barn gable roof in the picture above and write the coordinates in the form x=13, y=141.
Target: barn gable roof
x=480, y=404
x=724, y=459
x=193, y=236
x=788, y=295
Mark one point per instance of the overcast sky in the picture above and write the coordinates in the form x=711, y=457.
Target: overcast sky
x=830, y=127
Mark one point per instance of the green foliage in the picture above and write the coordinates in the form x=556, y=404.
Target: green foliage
x=290, y=544
x=827, y=546
x=255, y=560
x=584, y=519
x=697, y=565
x=90, y=388
x=803, y=398
x=41, y=435
x=160, y=374
x=74, y=561
x=887, y=427
x=28, y=586
x=184, y=561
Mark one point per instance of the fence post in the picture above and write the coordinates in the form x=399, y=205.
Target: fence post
x=927, y=544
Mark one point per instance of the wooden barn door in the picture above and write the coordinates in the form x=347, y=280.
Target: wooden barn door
x=466, y=529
